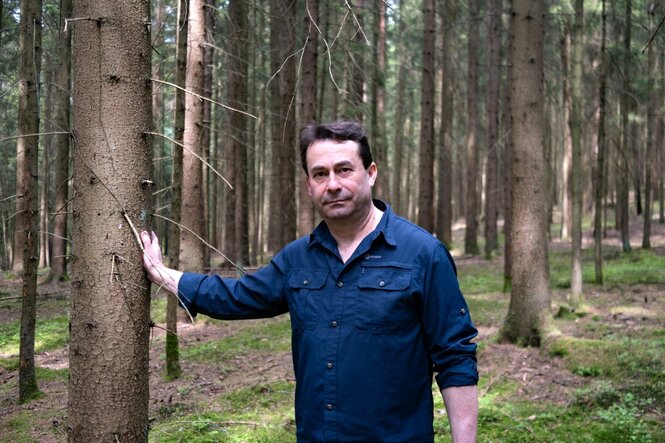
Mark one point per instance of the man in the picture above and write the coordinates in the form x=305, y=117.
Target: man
x=374, y=302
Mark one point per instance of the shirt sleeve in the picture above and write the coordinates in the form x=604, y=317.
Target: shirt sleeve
x=256, y=295
x=447, y=324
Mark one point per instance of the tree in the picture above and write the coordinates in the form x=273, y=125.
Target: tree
x=377, y=106
x=110, y=301
x=507, y=158
x=426, y=153
x=61, y=146
x=26, y=234
x=493, y=93
x=471, y=193
x=623, y=169
x=529, y=317
x=192, y=249
x=602, y=149
x=576, y=296
x=308, y=102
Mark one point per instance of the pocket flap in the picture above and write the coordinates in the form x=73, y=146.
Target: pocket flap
x=307, y=279
x=387, y=279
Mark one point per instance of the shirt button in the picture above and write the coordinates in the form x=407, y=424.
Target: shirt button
x=330, y=365
x=333, y=323
x=382, y=283
x=329, y=406
x=340, y=284
x=462, y=311
x=306, y=282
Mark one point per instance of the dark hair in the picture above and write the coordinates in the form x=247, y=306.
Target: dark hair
x=339, y=131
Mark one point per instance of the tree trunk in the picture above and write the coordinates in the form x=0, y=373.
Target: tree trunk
x=602, y=148
x=567, y=160
x=426, y=152
x=471, y=200
x=26, y=235
x=444, y=210
x=61, y=146
x=492, y=182
x=529, y=316
x=623, y=168
x=378, y=126
x=507, y=162
x=398, y=170
x=110, y=302
x=308, y=107
x=576, y=296
x=356, y=63
x=192, y=249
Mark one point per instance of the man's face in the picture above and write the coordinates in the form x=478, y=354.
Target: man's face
x=338, y=183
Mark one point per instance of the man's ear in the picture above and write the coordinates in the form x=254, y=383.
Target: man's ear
x=372, y=171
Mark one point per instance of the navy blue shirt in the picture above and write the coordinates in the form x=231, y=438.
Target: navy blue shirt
x=367, y=335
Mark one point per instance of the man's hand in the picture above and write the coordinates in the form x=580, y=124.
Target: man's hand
x=462, y=407
x=158, y=273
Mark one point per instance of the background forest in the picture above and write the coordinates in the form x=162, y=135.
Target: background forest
x=537, y=157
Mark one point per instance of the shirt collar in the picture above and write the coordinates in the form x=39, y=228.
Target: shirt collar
x=386, y=228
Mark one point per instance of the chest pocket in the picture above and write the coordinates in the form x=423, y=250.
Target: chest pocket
x=384, y=303
x=306, y=301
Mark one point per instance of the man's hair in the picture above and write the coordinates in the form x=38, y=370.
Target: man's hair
x=339, y=131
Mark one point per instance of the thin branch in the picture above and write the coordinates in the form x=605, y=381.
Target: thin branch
x=37, y=134
x=654, y=34
x=8, y=198
x=242, y=271
x=155, y=325
x=328, y=52
x=194, y=154
x=201, y=97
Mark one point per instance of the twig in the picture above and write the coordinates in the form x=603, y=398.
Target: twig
x=654, y=34
x=201, y=97
x=155, y=325
x=194, y=154
x=242, y=271
x=36, y=134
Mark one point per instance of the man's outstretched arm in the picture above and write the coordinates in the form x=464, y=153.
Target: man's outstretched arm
x=158, y=273
x=462, y=408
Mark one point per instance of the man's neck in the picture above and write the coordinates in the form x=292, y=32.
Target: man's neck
x=349, y=233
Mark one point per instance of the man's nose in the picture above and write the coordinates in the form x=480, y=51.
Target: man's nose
x=333, y=182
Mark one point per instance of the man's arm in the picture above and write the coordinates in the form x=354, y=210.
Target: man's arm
x=158, y=273
x=462, y=408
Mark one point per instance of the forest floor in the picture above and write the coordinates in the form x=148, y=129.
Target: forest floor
x=539, y=376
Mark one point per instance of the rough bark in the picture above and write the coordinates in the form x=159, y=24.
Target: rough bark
x=308, y=106
x=600, y=178
x=378, y=126
x=623, y=164
x=576, y=295
x=529, y=316
x=398, y=198
x=26, y=235
x=61, y=146
x=426, y=148
x=493, y=93
x=110, y=301
x=192, y=249
x=444, y=210
x=507, y=162
x=471, y=192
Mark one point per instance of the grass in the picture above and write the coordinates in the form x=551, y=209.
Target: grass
x=50, y=333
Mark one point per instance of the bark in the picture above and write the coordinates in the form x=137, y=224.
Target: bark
x=444, y=214
x=471, y=193
x=192, y=249
x=236, y=148
x=61, y=146
x=426, y=151
x=529, y=317
x=308, y=107
x=356, y=63
x=378, y=127
x=602, y=148
x=567, y=160
x=398, y=197
x=26, y=236
x=507, y=162
x=110, y=301
x=491, y=184
x=623, y=168
x=576, y=296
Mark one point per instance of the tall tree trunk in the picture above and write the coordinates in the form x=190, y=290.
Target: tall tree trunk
x=426, y=152
x=378, y=127
x=26, y=235
x=623, y=168
x=492, y=181
x=110, y=304
x=576, y=295
x=308, y=107
x=282, y=40
x=47, y=145
x=602, y=148
x=444, y=210
x=398, y=198
x=472, y=176
x=173, y=370
x=192, y=249
x=61, y=146
x=237, y=144
x=507, y=161
x=529, y=317
x=356, y=62
x=567, y=160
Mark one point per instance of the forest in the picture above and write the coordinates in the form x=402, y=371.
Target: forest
x=526, y=135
